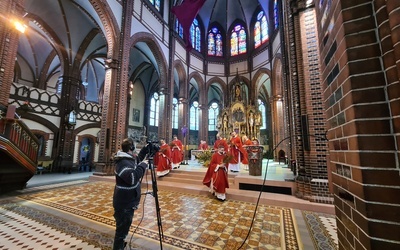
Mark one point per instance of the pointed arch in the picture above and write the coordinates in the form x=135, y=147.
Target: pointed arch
x=110, y=26
x=222, y=85
x=181, y=77
x=200, y=86
x=278, y=107
x=262, y=83
x=156, y=50
x=277, y=87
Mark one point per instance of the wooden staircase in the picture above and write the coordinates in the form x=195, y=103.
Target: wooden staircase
x=18, y=151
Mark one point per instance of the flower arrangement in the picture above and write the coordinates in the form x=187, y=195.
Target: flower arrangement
x=204, y=157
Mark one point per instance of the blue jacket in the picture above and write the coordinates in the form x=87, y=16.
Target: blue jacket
x=128, y=175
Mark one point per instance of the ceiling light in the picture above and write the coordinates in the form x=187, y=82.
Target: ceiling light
x=20, y=26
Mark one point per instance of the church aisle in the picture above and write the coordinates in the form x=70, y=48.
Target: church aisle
x=79, y=216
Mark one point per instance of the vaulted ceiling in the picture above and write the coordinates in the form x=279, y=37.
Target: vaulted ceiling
x=227, y=12
x=69, y=32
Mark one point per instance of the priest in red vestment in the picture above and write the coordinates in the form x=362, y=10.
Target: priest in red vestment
x=216, y=177
x=177, y=152
x=162, y=159
x=203, y=145
x=246, y=142
x=236, y=151
x=219, y=141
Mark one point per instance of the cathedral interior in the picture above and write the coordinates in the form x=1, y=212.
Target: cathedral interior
x=315, y=82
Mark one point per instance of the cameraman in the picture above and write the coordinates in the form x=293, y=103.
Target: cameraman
x=126, y=199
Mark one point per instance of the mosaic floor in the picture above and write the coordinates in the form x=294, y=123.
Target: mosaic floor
x=59, y=218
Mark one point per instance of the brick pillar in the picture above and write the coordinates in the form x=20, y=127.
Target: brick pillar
x=359, y=46
x=310, y=122
x=9, y=10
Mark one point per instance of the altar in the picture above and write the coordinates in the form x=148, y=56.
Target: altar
x=240, y=115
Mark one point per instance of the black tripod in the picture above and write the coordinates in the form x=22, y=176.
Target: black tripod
x=154, y=193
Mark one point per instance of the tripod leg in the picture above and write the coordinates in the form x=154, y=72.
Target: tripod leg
x=155, y=195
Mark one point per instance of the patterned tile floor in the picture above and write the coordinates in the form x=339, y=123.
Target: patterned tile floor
x=78, y=215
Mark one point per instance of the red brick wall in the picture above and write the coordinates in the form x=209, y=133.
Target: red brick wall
x=359, y=41
x=307, y=94
x=8, y=45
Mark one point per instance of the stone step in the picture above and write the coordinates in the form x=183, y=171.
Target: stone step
x=264, y=198
x=189, y=177
x=180, y=179
x=174, y=182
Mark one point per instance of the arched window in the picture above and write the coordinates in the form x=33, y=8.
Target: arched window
x=261, y=107
x=156, y=4
x=238, y=40
x=212, y=116
x=194, y=116
x=195, y=35
x=178, y=28
x=215, y=42
x=154, y=109
x=276, y=15
x=175, y=112
x=260, y=30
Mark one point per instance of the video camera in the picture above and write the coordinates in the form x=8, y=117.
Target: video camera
x=149, y=150
x=152, y=148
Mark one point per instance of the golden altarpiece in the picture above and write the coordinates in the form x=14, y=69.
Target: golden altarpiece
x=240, y=114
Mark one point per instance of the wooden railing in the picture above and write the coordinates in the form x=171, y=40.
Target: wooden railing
x=19, y=142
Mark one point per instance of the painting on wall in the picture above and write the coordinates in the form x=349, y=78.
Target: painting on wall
x=136, y=115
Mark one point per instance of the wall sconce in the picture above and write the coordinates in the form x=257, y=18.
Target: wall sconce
x=71, y=120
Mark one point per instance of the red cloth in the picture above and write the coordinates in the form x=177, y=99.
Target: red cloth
x=236, y=149
x=219, y=178
x=245, y=159
x=186, y=13
x=203, y=146
x=163, y=158
x=218, y=142
x=177, y=151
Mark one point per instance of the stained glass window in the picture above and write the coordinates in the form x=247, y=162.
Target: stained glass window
x=234, y=44
x=195, y=35
x=242, y=41
x=156, y=4
x=178, y=28
x=238, y=40
x=214, y=42
x=276, y=14
x=260, y=30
